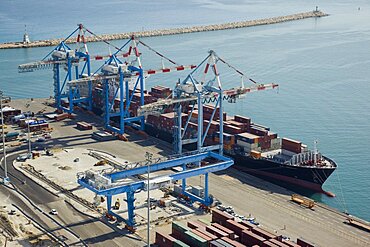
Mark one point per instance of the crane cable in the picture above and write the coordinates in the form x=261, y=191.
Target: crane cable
x=237, y=71
x=158, y=53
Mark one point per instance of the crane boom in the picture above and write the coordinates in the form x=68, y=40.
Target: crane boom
x=229, y=93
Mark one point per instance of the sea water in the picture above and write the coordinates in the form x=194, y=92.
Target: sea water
x=321, y=64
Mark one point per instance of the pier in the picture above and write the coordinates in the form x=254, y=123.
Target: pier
x=172, y=31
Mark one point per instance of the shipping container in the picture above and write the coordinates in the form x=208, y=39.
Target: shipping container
x=193, y=239
x=236, y=227
x=231, y=233
x=208, y=234
x=230, y=129
x=216, y=231
x=179, y=243
x=304, y=243
x=180, y=227
x=249, y=238
x=290, y=243
x=260, y=126
x=242, y=119
x=202, y=235
x=224, y=243
x=196, y=224
x=164, y=240
x=232, y=242
x=214, y=243
x=258, y=131
x=278, y=243
x=264, y=233
x=291, y=145
x=268, y=244
x=220, y=217
x=248, y=224
x=255, y=154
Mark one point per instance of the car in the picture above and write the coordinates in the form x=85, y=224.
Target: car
x=54, y=211
x=40, y=139
x=24, y=157
x=47, y=136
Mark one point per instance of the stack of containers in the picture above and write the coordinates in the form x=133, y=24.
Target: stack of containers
x=98, y=97
x=291, y=145
x=167, y=121
x=208, y=110
x=248, y=141
x=229, y=140
x=164, y=240
x=160, y=92
x=231, y=129
x=223, y=232
x=241, y=119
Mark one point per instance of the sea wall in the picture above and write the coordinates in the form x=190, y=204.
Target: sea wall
x=172, y=31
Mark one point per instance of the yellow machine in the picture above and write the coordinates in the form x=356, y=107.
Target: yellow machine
x=303, y=201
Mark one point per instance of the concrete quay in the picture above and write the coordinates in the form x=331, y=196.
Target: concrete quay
x=268, y=203
x=172, y=31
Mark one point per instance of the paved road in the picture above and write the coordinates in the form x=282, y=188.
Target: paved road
x=91, y=230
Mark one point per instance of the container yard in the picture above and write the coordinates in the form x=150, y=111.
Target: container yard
x=165, y=166
x=271, y=206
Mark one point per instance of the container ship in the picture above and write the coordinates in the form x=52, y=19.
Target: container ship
x=255, y=148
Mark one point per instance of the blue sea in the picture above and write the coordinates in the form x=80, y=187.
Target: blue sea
x=322, y=66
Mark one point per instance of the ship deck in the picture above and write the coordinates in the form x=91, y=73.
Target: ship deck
x=279, y=156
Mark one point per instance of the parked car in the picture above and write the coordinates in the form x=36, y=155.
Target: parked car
x=24, y=157
x=54, y=212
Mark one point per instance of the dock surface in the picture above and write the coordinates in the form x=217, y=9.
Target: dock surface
x=172, y=31
x=268, y=203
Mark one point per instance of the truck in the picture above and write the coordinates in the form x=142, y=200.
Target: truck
x=303, y=201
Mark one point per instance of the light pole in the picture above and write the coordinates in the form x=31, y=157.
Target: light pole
x=148, y=157
x=29, y=139
x=5, y=179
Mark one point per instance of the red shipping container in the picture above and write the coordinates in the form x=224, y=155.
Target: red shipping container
x=290, y=243
x=304, y=243
x=230, y=129
x=216, y=231
x=231, y=233
x=232, y=242
x=220, y=217
x=236, y=227
x=269, y=244
x=247, y=224
x=208, y=239
x=208, y=234
x=249, y=238
x=278, y=243
x=242, y=119
x=164, y=240
x=264, y=233
x=196, y=224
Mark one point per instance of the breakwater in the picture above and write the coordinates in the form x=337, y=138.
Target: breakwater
x=172, y=31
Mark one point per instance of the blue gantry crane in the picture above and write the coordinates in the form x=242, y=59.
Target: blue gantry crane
x=198, y=92
x=116, y=73
x=75, y=62
x=109, y=184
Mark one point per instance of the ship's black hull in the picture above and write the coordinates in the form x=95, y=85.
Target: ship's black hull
x=311, y=178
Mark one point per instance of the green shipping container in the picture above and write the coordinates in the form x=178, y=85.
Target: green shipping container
x=195, y=240
x=179, y=227
x=179, y=243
